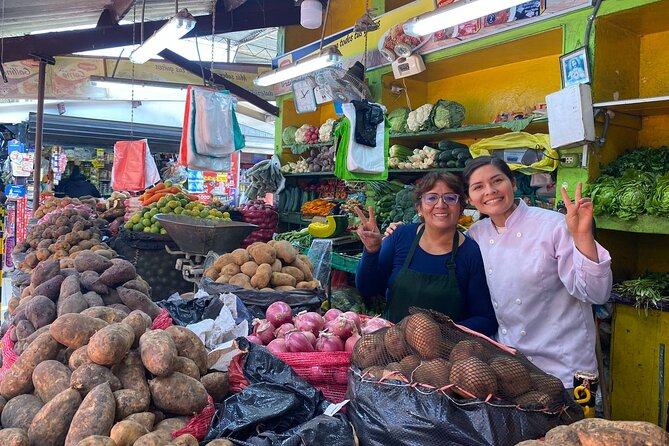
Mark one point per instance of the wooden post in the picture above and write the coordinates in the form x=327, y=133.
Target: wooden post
x=37, y=173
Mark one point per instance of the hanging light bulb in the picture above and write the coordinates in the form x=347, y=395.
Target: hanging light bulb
x=311, y=14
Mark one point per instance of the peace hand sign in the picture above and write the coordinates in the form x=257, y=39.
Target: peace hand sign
x=368, y=231
x=579, y=213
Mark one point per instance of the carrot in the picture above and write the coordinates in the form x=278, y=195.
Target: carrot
x=156, y=188
x=154, y=198
x=191, y=197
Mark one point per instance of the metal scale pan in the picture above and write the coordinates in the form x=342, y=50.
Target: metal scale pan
x=199, y=236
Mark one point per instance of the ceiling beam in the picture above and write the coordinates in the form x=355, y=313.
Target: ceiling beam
x=196, y=69
x=114, y=12
x=249, y=16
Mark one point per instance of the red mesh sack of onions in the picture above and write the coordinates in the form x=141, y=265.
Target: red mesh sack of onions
x=318, y=348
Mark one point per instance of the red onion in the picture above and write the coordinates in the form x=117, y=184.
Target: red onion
x=280, y=332
x=311, y=321
x=254, y=339
x=375, y=323
x=279, y=313
x=263, y=330
x=332, y=314
x=344, y=327
x=311, y=337
x=329, y=325
x=350, y=342
x=352, y=315
x=329, y=343
x=298, y=342
x=278, y=346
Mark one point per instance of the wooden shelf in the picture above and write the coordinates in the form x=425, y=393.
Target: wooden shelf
x=644, y=224
x=469, y=132
x=638, y=107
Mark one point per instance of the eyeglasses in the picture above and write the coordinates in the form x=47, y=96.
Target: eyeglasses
x=433, y=199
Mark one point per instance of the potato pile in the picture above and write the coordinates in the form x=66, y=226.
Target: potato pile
x=83, y=381
x=88, y=284
x=601, y=432
x=272, y=266
x=51, y=204
x=65, y=233
x=426, y=350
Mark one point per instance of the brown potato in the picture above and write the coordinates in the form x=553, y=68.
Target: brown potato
x=72, y=304
x=140, y=323
x=51, y=423
x=138, y=301
x=302, y=266
x=189, y=345
x=217, y=385
x=95, y=415
x=220, y=442
x=178, y=394
x=50, y=378
x=155, y=438
x=110, y=345
x=108, y=314
x=90, y=261
x=295, y=272
x=40, y=311
x=223, y=260
x=90, y=281
x=93, y=299
x=239, y=256
x=184, y=440
x=131, y=374
x=69, y=286
x=89, y=376
x=97, y=440
x=79, y=357
x=282, y=279
x=137, y=285
x=187, y=367
x=18, y=379
x=119, y=273
x=129, y=402
x=14, y=437
x=125, y=433
x=172, y=424
x=24, y=328
x=158, y=352
x=44, y=271
x=146, y=419
x=75, y=330
x=285, y=252
x=230, y=269
x=20, y=411
x=50, y=288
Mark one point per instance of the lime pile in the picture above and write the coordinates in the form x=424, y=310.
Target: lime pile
x=145, y=220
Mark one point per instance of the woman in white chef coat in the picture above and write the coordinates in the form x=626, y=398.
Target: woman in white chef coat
x=544, y=270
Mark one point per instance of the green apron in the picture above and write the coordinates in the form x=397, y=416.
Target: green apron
x=433, y=291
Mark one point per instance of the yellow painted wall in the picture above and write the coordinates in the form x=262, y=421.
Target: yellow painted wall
x=615, y=76
x=653, y=72
x=510, y=87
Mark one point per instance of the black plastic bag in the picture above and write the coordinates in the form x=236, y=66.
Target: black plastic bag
x=190, y=311
x=324, y=430
x=395, y=414
x=258, y=301
x=276, y=399
x=157, y=266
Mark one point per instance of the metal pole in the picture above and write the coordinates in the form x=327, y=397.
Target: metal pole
x=37, y=174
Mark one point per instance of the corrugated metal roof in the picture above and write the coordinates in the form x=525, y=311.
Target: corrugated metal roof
x=28, y=16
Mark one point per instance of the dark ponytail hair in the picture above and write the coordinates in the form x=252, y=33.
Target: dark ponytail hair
x=481, y=161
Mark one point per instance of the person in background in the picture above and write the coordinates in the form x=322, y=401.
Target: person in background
x=429, y=265
x=77, y=185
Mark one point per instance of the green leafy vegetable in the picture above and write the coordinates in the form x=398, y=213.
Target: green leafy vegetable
x=288, y=135
x=635, y=186
x=398, y=120
x=399, y=151
x=658, y=203
x=604, y=193
x=447, y=114
x=651, y=289
x=654, y=161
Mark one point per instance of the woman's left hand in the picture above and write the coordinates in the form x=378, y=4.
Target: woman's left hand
x=579, y=213
x=579, y=220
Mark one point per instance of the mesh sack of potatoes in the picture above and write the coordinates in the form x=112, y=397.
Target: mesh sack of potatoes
x=429, y=361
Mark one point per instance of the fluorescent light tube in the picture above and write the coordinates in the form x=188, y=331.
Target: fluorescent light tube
x=177, y=27
x=328, y=57
x=455, y=14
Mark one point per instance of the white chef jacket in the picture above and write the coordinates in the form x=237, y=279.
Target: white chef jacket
x=542, y=289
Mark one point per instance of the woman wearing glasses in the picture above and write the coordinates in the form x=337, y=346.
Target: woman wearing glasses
x=431, y=264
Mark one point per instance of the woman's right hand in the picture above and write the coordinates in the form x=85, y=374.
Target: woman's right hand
x=368, y=231
x=391, y=228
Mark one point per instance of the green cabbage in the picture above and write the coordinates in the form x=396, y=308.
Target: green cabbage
x=288, y=135
x=398, y=120
x=658, y=203
x=447, y=114
x=603, y=193
x=635, y=186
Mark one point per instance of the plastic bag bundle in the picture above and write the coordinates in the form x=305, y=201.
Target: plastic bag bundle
x=266, y=178
x=430, y=366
